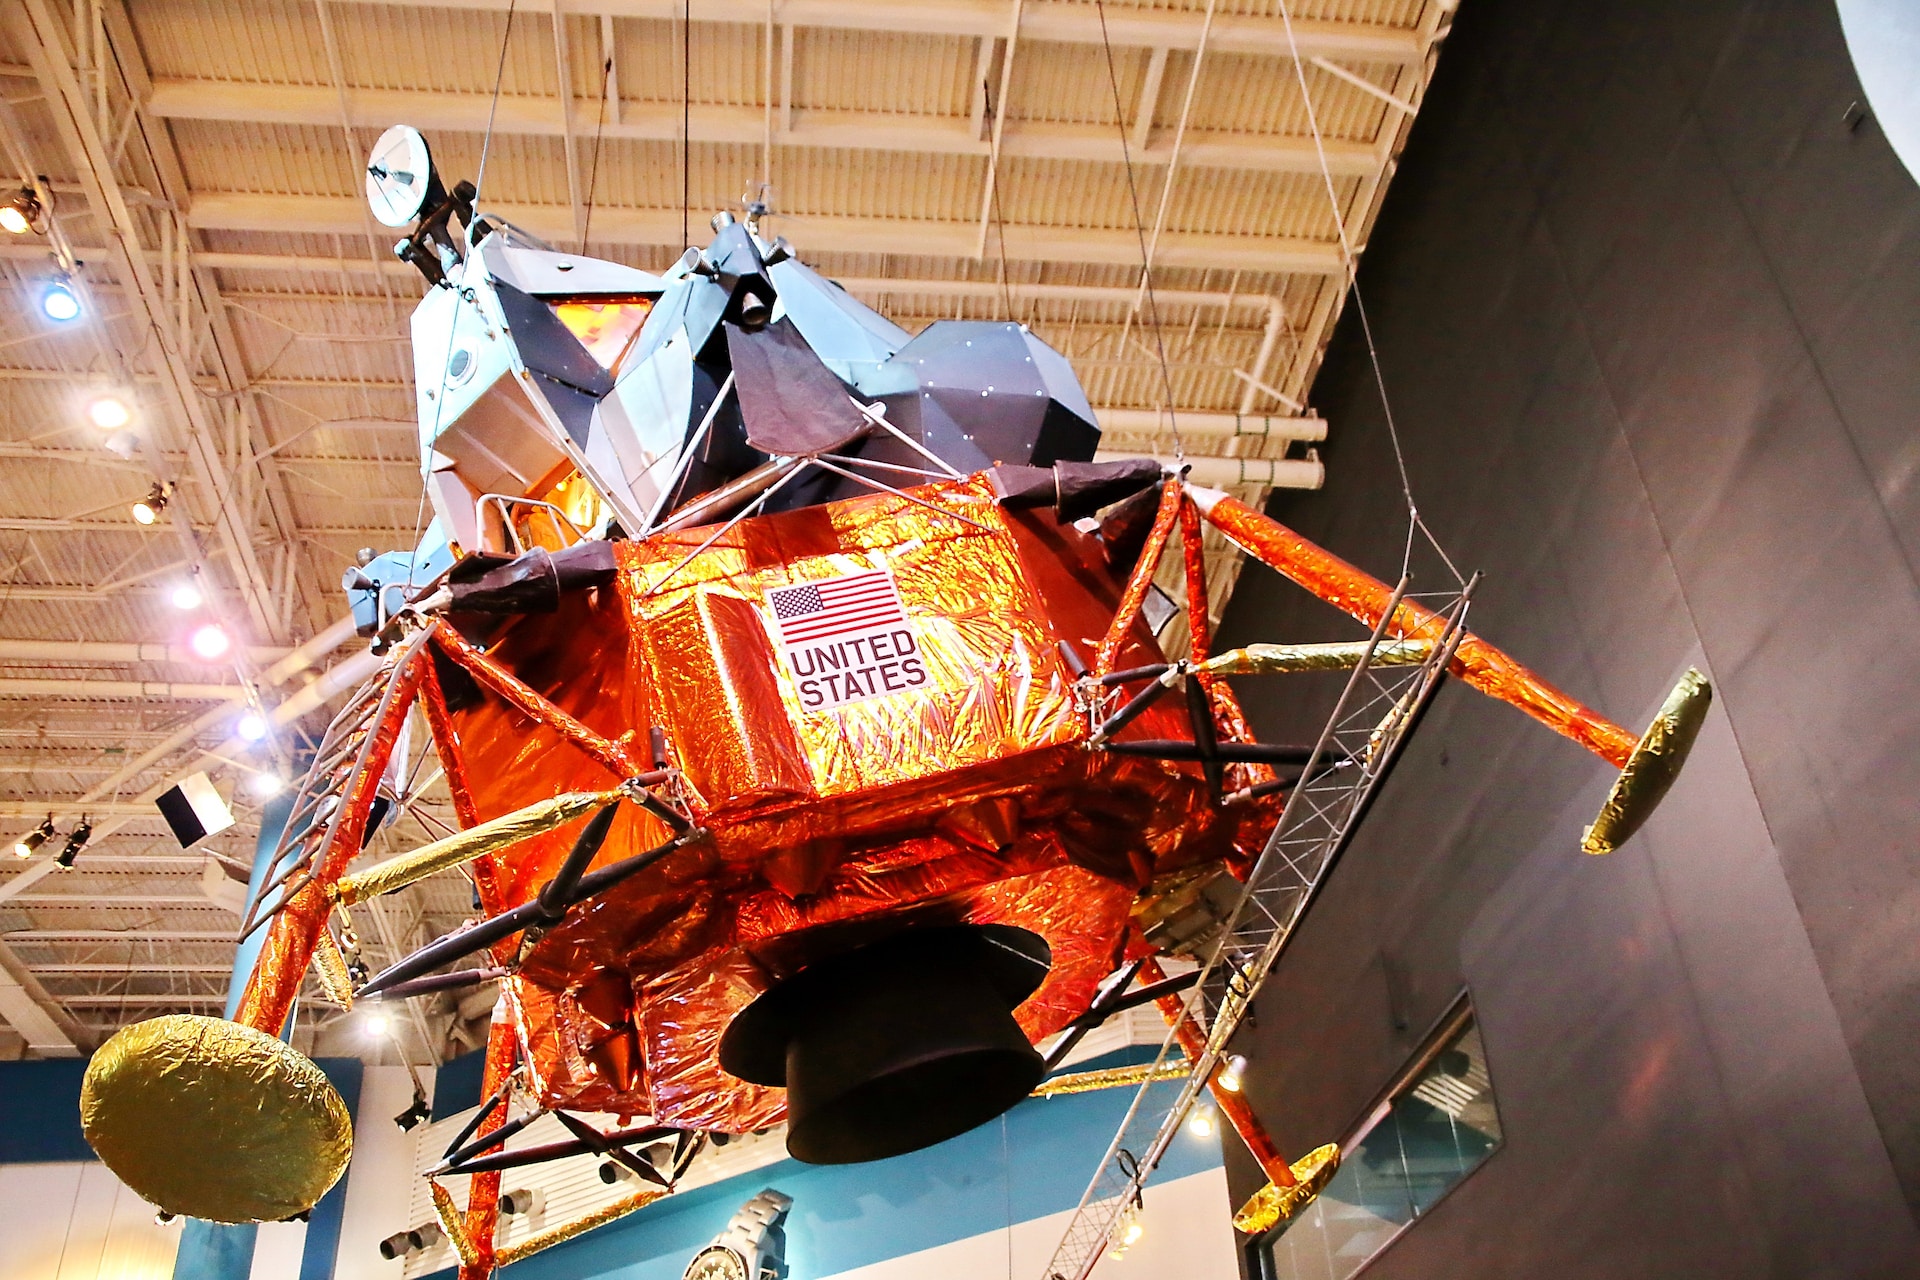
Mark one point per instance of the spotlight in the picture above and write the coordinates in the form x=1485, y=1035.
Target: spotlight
x=1200, y=1122
x=209, y=642
x=28, y=844
x=402, y=1243
x=60, y=302
x=76, y=841
x=1233, y=1075
x=148, y=509
x=266, y=784
x=21, y=213
x=417, y=1112
x=186, y=597
x=109, y=413
x=378, y=1023
x=251, y=727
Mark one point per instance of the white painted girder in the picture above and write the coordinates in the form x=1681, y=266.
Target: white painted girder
x=340, y=215
x=430, y=111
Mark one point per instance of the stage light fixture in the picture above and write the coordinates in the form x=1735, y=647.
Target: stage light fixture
x=251, y=727
x=266, y=784
x=21, y=213
x=1233, y=1076
x=378, y=1024
x=418, y=1112
x=209, y=642
x=76, y=841
x=186, y=597
x=1200, y=1122
x=28, y=844
x=109, y=412
x=148, y=509
x=59, y=303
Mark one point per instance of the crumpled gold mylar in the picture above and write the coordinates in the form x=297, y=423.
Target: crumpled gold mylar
x=464, y=846
x=1273, y=1204
x=1275, y=659
x=1655, y=763
x=215, y=1120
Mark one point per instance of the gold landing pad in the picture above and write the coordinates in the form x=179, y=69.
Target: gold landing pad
x=1271, y=1204
x=1652, y=767
x=212, y=1119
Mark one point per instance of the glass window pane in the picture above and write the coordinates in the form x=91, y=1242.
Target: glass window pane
x=1435, y=1131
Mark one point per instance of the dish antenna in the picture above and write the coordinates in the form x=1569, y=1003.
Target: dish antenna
x=400, y=177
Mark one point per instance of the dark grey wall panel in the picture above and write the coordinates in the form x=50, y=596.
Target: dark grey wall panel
x=1649, y=313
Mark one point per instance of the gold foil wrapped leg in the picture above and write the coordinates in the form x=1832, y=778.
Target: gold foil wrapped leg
x=454, y=1225
x=1111, y=1078
x=579, y=1226
x=215, y=1120
x=331, y=968
x=1271, y=1204
x=1652, y=767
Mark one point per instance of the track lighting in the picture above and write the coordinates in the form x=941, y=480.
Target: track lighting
x=59, y=302
x=21, y=213
x=27, y=844
x=402, y=1243
x=1233, y=1075
x=148, y=509
x=76, y=841
x=1200, y=1122
x=418, y=1111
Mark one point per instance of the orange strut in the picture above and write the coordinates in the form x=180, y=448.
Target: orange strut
x=483, y=1192
x=1135, y=594
x=1365, y=597
x=1233, y=1106
x=612, y=755
x=1226, y=707
x=295, y=931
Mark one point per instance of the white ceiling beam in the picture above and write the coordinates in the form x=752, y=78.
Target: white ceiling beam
x=337, y=215
x=35, y=27
x=428, y=110
x=29, y=1010
x=1049, y=20
x=103, y=651
x=65, y=687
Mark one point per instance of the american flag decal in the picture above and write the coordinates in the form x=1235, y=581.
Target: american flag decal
x=836, y=607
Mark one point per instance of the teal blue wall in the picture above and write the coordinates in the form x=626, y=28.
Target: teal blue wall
x=1035, y=1160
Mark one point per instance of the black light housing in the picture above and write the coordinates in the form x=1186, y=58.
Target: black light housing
x=76, y=841
x=29, y=844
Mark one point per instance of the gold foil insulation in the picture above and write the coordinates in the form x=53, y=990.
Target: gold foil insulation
x=1111, y=1078
x=330, y=967
x=455, y=1226
x=579, y=1226
x=1277, y=659
x=215, y=1120
x=1655, y=763
x=964, y=797
x=1273, y=1204
x=465, y=846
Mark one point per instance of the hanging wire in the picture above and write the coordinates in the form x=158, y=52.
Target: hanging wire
x=453, y=326
x=1351, y=282
x=1140, y=230
x=686, y=123
x=593, y=172
x=499, y=76
x=999, y=223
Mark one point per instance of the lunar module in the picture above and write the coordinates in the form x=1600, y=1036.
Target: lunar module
x=815, y=759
